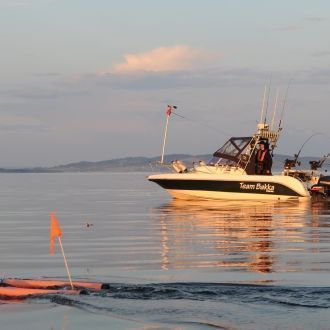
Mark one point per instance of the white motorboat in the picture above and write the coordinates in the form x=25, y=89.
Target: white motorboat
x=230, y=174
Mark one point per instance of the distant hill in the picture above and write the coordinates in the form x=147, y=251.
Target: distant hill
x=123, y=164
x=112, y=165
x=136, y=164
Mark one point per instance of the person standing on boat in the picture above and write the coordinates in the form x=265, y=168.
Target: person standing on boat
x=263, y=159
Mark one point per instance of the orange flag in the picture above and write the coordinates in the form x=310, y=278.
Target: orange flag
x=55, y=231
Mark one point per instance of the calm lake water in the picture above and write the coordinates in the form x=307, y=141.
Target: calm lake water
x=170, y=264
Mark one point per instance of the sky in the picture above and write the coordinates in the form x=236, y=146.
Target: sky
x=91, y=80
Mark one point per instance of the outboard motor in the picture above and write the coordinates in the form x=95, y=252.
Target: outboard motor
x=321, y=190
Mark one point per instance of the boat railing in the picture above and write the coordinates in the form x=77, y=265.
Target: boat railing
x=164, y=166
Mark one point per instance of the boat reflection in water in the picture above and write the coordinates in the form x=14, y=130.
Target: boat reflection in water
x=261, y=237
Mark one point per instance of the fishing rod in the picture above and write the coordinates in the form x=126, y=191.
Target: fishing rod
x=268, y=95
x=263, y=103
x=296, y=156
x=275, y=108
x=283, y=106
x=315, y=164
x=279, y=129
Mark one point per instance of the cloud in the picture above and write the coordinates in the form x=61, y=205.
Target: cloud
x=303, y=23
x=319, y=76
x=214, y=77
x=22, y=2
x=198, y=78
x=315, y=19
x=321, y=53
x=18, y=123
x=176, y=58
x=288, y=28
x=40, y=91
x=90, y=85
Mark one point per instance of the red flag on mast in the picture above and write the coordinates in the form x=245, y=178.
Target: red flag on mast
x=55, y=231
x=169, y=110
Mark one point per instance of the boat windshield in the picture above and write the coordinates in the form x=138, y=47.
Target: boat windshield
x=232, y=152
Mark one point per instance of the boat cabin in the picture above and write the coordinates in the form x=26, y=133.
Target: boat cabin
x=237, y=151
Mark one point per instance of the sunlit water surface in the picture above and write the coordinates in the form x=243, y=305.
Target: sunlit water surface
x=171, y=264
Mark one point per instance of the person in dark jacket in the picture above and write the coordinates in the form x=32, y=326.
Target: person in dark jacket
x=263, y=159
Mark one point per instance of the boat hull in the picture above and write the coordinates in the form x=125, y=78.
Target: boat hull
x=213, y=186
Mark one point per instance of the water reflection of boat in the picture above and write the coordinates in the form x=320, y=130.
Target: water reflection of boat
x=231, y=174
x=229, y=235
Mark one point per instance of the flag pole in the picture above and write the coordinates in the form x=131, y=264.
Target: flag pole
x=165, y=136
x=65, y=261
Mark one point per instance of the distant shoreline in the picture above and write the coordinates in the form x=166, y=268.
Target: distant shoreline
x=137, y=164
